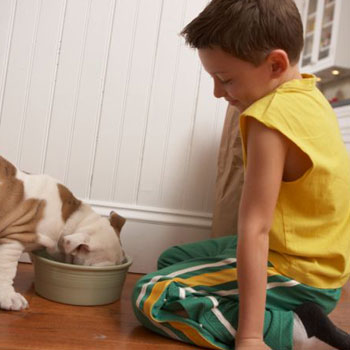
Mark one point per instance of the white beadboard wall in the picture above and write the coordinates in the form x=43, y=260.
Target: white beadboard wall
x=105, y=96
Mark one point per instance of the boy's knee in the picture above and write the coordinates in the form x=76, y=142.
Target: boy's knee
x=168, y=258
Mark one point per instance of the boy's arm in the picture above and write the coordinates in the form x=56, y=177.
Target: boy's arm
x=266, y=153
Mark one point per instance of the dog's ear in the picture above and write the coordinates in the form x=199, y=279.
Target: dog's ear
x=116, y=221
x=70, y=244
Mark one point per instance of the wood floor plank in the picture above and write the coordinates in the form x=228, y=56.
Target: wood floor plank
x=47, y=325
x=52, y=326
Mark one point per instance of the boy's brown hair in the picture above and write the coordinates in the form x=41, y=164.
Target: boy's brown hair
x=248, y=29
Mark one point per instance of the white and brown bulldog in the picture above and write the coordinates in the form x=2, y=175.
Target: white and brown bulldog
x=36, y=211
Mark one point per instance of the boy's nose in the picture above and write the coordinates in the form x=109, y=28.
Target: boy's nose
x=219, y=91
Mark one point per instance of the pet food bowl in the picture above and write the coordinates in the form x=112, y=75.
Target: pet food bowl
x=77, y=284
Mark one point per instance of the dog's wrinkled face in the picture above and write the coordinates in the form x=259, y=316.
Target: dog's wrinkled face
x=98, y=247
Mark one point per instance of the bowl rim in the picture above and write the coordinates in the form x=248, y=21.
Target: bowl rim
x=67, y=266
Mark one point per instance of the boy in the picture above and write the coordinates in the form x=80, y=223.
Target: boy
x=293, y=249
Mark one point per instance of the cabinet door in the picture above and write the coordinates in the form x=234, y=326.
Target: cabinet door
x=319, y=26
x=327, y=29
x=310, y=31
x=321, y=20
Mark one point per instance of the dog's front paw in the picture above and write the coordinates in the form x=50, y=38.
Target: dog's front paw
x=10, y=300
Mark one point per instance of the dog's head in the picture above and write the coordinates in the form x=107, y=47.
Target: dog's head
x=99, y=246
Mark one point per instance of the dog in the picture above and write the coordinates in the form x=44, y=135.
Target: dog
x=36, y=211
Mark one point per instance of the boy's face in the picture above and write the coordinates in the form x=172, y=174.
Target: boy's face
x=239, y=82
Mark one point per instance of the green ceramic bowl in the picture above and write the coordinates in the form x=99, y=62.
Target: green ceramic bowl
x=77, y=284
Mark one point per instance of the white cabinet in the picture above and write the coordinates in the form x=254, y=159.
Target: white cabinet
x=343, y=114
x=326, y=32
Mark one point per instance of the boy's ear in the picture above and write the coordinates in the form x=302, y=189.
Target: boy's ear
x=278, y=61
x=116, y=221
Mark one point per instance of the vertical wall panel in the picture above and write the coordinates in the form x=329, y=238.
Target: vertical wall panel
x=182, y=120
x=18, y=74
x=67, y=88
x=7, y=17
x=161, y=114
x=117, y=87
x=201, y=166
x=89, y=96
x=137, y=100
x=41, y=80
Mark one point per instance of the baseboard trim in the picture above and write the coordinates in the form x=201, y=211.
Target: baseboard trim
x=153, y=215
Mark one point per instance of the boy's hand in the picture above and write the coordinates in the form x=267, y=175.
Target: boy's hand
x=251, y=344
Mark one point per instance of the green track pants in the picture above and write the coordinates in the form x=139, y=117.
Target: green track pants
x=201, y=279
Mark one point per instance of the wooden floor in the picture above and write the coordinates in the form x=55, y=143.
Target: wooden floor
x=52, y=326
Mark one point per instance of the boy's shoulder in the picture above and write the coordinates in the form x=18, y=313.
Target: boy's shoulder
x=291, y=95
x=297, y=107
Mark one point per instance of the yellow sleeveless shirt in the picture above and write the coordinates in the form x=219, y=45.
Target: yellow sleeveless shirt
x=310, y=235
